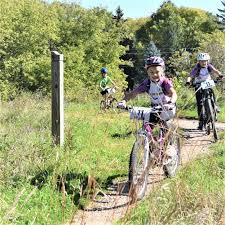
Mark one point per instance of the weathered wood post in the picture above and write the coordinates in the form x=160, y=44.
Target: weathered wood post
x=57, y=98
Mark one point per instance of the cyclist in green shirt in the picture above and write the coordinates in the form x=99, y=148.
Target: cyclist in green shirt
x=105, y=81
x=106, y=90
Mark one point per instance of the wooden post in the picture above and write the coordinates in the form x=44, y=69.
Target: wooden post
x=57, y=98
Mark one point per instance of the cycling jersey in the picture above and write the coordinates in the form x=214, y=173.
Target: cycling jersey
x=104, y=82
x=201, y=74
x=158, y=91
x=157, y=96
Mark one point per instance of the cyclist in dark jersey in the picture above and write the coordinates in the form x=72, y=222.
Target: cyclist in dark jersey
x=200, y=73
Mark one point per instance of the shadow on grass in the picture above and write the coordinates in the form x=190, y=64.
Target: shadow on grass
x=188, y=117
x=41, y=178
x=124, y=135
x=112, y=180
x=72, y=184
x=81, y=188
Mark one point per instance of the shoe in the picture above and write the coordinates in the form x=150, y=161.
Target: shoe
x=217, y=109
x=200, y=128
x=200, y=125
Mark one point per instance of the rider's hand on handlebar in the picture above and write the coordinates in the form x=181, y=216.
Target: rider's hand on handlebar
x=122, y=104
x=171, y=103
x=223, y=77
x=169, y=106
x=220, y=77
x=188, y=84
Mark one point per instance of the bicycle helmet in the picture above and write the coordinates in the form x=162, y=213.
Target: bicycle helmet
x=154, y=61
x=104, y=70
x=203, y=56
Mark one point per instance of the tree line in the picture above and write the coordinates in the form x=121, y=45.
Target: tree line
x=93, y=38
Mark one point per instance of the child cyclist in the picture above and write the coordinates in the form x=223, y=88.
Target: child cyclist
x=201, y=72
x=105, y=81
x=159, y=88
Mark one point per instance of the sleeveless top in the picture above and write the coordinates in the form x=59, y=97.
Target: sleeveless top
x=158, y=91
x=157, y=95
x=201, y=74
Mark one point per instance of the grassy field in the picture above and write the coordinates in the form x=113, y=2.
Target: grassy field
x=42, y=184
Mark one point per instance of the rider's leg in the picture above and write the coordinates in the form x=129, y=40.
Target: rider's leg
x=167, y=117
x=105, y=97
x=153, y=119
x=103, y=93
x=198, y=96
x=169, y=129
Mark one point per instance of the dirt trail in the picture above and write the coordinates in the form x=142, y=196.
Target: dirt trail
x=110, y=208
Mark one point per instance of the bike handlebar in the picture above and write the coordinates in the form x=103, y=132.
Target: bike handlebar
x=155, y=109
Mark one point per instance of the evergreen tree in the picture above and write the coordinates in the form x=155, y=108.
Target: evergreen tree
x=119, y=14
x=152, y=50
x=222, y=16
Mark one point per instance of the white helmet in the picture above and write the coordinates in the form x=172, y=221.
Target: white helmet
x=203, y=56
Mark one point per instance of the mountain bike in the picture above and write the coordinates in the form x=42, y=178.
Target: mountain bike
x=208, y=112
x=109, y=100
x=157, y=144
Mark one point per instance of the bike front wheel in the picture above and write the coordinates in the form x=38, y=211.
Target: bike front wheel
x=212, y=118
x=172, y=157
x=138, y=168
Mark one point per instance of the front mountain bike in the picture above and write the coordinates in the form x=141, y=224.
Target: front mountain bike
x=156, y=145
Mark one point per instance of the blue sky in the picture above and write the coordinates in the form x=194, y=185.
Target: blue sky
x=143, y=8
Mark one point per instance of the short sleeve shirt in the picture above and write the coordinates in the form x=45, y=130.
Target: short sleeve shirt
x=104, y=82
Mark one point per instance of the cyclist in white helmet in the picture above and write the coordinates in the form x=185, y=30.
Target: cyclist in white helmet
x=200, y=73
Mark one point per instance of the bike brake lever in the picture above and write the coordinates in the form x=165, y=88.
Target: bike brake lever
x=129, y=107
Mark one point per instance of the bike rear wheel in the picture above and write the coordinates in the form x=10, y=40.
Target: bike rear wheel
x=113, y=103
x=138, y=168
x=172, y=157
x=103, y=105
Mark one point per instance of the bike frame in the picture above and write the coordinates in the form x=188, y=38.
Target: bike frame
x=108, y=98
x=156, y=142
x=149, y=150
x=140, y=113
x=207, y=94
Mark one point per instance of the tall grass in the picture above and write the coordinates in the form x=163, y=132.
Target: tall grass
x=40, y=184
x=29, y=164
x=195, y=196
